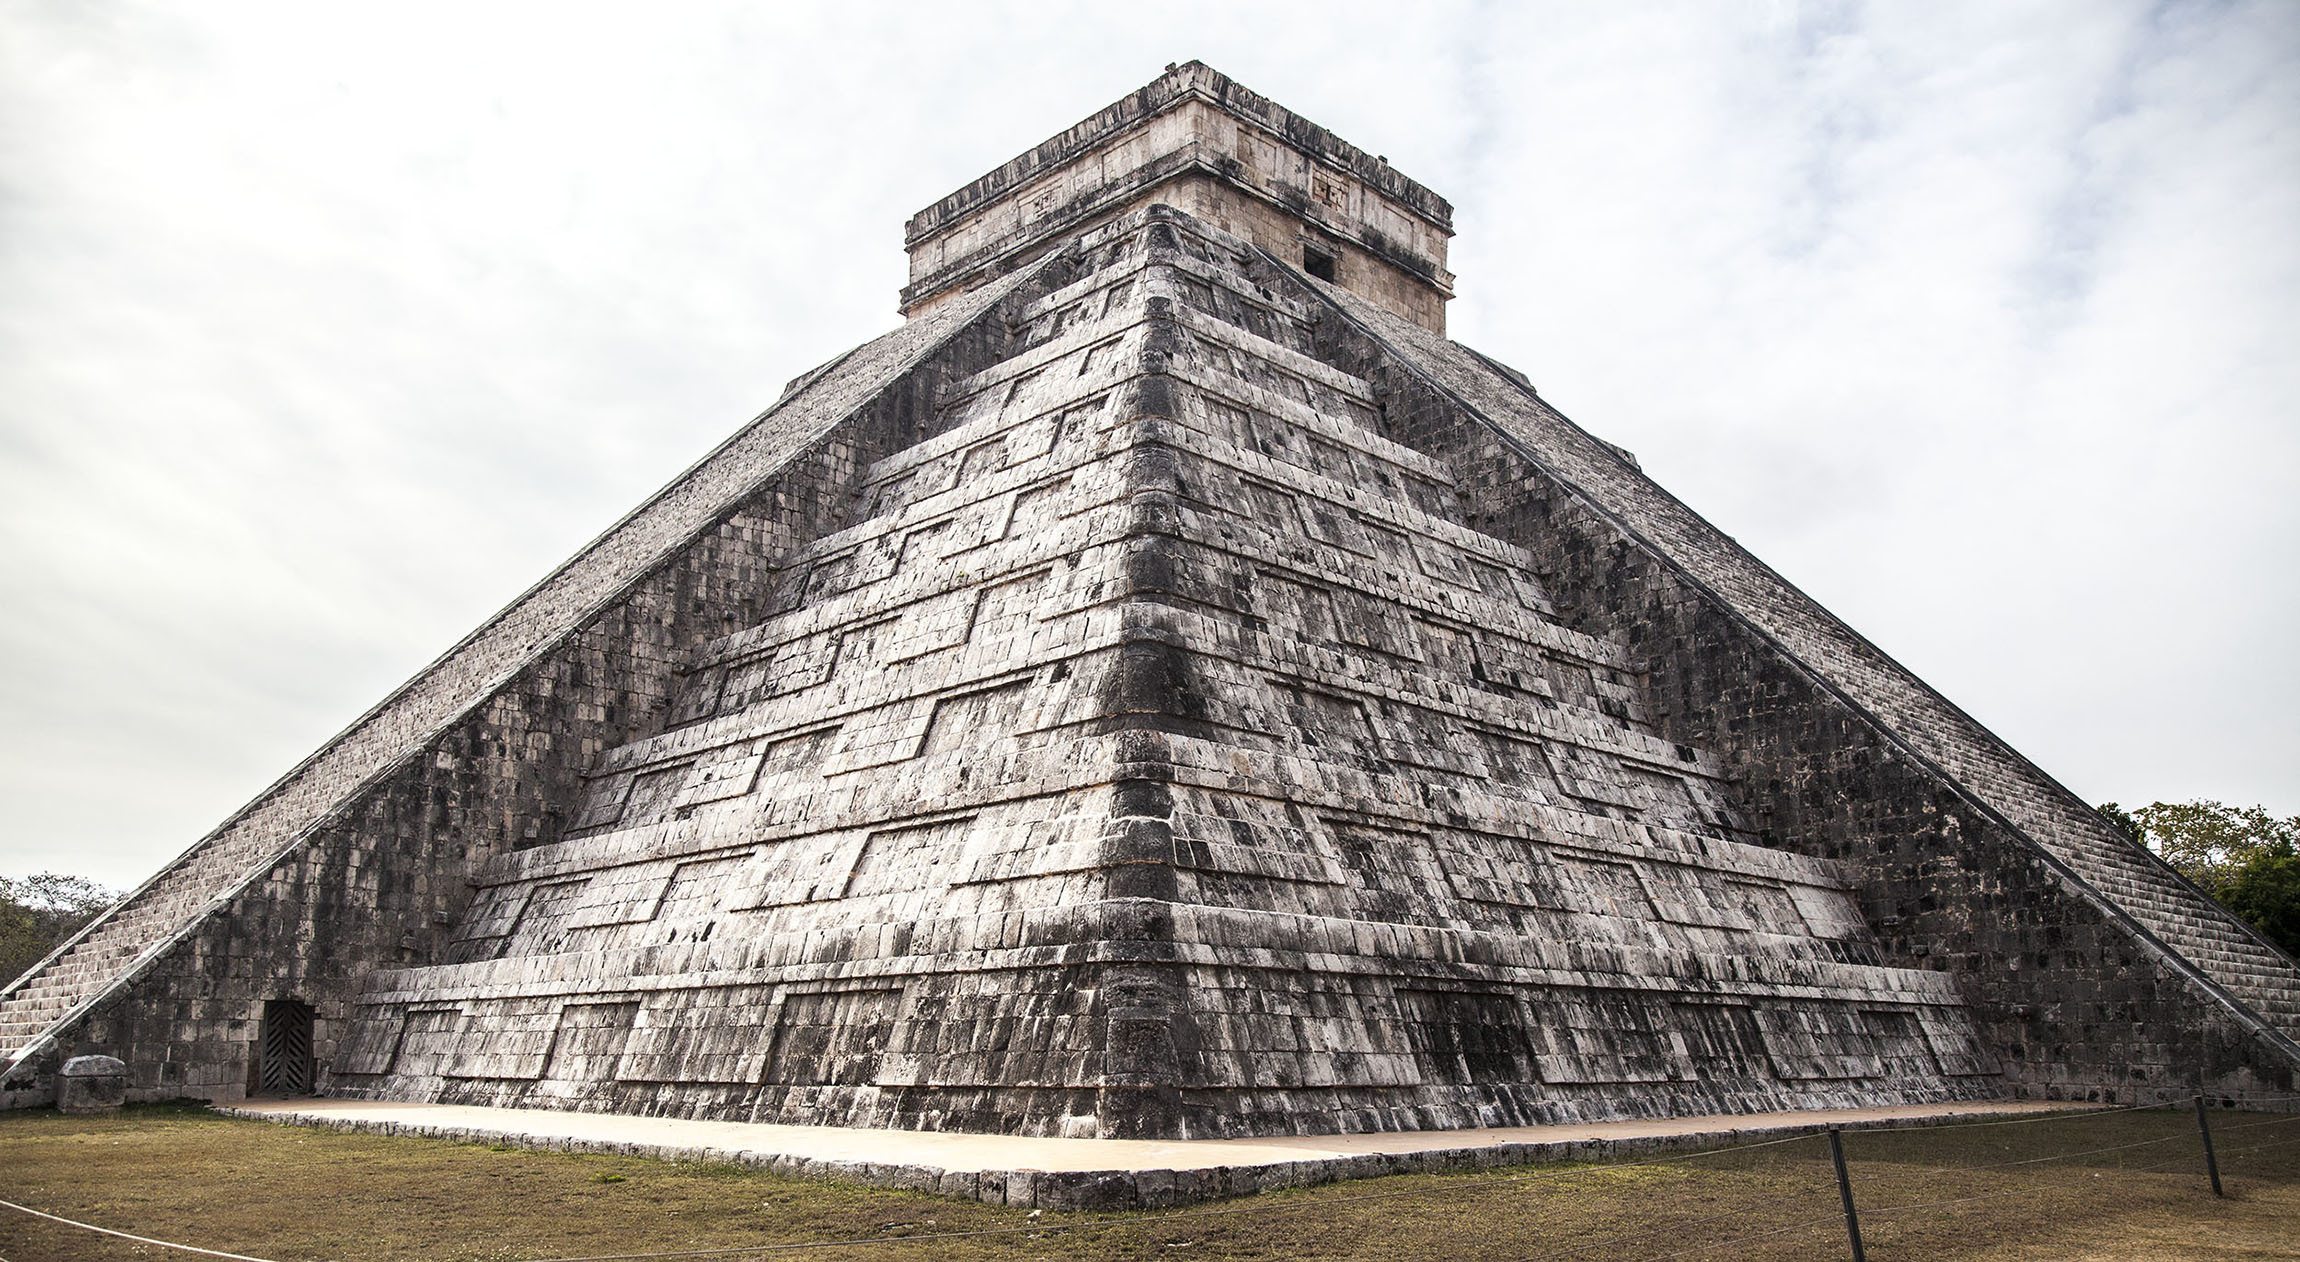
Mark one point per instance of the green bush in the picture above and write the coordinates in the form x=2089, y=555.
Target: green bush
x=37, y=912
x=2243, y=857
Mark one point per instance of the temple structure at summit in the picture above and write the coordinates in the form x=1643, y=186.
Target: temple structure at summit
x=1166, y=688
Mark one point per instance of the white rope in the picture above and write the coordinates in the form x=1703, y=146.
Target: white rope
x=165, y=1244
x=2052, y=1115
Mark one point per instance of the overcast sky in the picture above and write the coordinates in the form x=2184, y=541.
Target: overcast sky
x=325, y=329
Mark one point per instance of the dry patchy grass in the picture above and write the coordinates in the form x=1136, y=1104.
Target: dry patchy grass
x=299, y=1194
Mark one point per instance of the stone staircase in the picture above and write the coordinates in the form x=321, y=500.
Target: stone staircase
x=2199, y=929
x=108, y=949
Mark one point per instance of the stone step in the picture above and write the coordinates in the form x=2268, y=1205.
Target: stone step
x=114, y=944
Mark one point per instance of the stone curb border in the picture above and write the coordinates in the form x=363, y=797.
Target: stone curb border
x=1092, y=1190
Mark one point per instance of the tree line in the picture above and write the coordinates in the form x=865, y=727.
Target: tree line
x=2245, y=858
x=38, y=912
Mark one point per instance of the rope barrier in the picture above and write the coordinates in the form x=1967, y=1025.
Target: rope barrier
x=2255, y=1097
x=2065, y=1156
x=2057, y=1115
x=2000, y=1165
x=165, y=1244
x=2189, y=1163
x=1879, y=1211
x=2274, y=1121
x=2226, y=1152
x=2273, y=1143
x=1869, y=1211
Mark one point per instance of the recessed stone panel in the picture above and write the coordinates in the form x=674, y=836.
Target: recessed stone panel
x=832, y=1038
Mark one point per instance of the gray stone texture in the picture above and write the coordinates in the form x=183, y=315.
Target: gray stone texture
x=1151, y=753
x=1176, y=1176
x=361, y=856
x=2096, y=967
x=1197, y=140
x=1159, y=694
x=91, y=1084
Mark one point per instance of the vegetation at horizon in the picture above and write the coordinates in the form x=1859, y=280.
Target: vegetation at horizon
x=2245, y=858
x=39, y=911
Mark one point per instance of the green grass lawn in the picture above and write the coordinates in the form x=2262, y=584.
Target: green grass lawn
x=292, y=1193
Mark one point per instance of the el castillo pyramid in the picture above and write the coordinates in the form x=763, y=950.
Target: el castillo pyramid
x=1166, y=688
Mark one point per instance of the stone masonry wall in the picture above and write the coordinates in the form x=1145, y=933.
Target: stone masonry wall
x=1169, y=702
x=1432, y=867
x=1155, y=753
x=1390, y=282
x=1202, y=143
x=2075, y=1003
x=380, y=886
x=386, y=871
x=857, y=875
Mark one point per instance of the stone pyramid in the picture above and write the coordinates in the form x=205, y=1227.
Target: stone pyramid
x=1166, y=689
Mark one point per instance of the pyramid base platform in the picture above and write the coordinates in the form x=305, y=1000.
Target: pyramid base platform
x=1091, y=1174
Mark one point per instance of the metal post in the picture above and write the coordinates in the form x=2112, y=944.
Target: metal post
x=2211, y=1163
x=1845, y=1193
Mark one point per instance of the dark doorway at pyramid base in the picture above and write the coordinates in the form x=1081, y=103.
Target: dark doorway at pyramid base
x=284, y=1051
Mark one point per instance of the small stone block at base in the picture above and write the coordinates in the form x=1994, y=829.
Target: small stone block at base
x=92, y=1084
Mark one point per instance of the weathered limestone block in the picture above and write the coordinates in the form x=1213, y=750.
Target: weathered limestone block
x=91, y=1084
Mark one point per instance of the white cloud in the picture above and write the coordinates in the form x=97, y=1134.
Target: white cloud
x=324, y=331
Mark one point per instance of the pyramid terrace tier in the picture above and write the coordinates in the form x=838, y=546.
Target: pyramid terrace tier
x=1559, y=897
x=986, y=977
